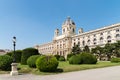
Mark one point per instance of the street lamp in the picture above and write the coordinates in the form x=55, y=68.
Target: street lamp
x=14, y=71
x=14, y=44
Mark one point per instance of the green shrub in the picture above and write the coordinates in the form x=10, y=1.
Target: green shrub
x=69, y=55
x=31, y=61
x=47, y=63
x=83, y=58
x=26, y=53
x=116, y=60
x=17, y=56
x=5, y=62
x=62, y=58
x=87, y=58
x=57, y=56
x=9, y=53
x=75, y=59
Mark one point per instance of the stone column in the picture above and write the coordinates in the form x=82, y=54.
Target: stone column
x=14, y=71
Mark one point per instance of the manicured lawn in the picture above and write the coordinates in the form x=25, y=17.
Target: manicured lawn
x=66, y=67
x=4, y=72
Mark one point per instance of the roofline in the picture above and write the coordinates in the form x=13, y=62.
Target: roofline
x=44, y=44
x=96, y=30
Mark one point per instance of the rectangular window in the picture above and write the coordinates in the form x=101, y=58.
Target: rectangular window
x=117, y=30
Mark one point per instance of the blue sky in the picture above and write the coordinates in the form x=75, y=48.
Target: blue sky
x=34, y=21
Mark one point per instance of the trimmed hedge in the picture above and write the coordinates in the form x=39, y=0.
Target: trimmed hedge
x=75, y=59
x=115, y=60
x=27, y=53
x=62, y=58
x=69, y=55
x=9, y=53
x=88, y=58
x=47, y=63
x=31, y=61
x=57, y=56
x=17, y=56
x=5, y=62
x=83, y=58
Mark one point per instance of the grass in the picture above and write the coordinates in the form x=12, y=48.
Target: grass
x=27, y=69
x=4, y=72
x=65, y=66
x=68, y=68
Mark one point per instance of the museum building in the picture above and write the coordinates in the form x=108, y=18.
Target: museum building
x=63, y=43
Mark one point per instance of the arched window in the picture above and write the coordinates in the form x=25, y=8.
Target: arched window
x=101, y=33
x=83, y=43
x=73, y=30
x=63, y=30
x=117, y=35
x=74, y=44
x=101, y=38
x=109, y=37
x=94, y=39
x=79, y=43
x=88, y=42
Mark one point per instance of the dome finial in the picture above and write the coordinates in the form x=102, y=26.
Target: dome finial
x=68, y=21
x=68, y=17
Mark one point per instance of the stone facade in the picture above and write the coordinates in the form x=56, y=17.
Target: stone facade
x=62, y=44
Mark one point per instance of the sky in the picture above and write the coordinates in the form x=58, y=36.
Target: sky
x=34, y=21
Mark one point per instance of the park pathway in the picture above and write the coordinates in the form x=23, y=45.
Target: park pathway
x=108, y=73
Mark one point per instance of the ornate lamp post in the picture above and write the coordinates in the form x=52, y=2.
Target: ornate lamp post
x=14, y=44
x=14, y=64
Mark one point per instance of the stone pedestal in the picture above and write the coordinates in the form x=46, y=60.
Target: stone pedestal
x=14, y=71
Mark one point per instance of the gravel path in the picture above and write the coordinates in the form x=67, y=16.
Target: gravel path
x=109, y=73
